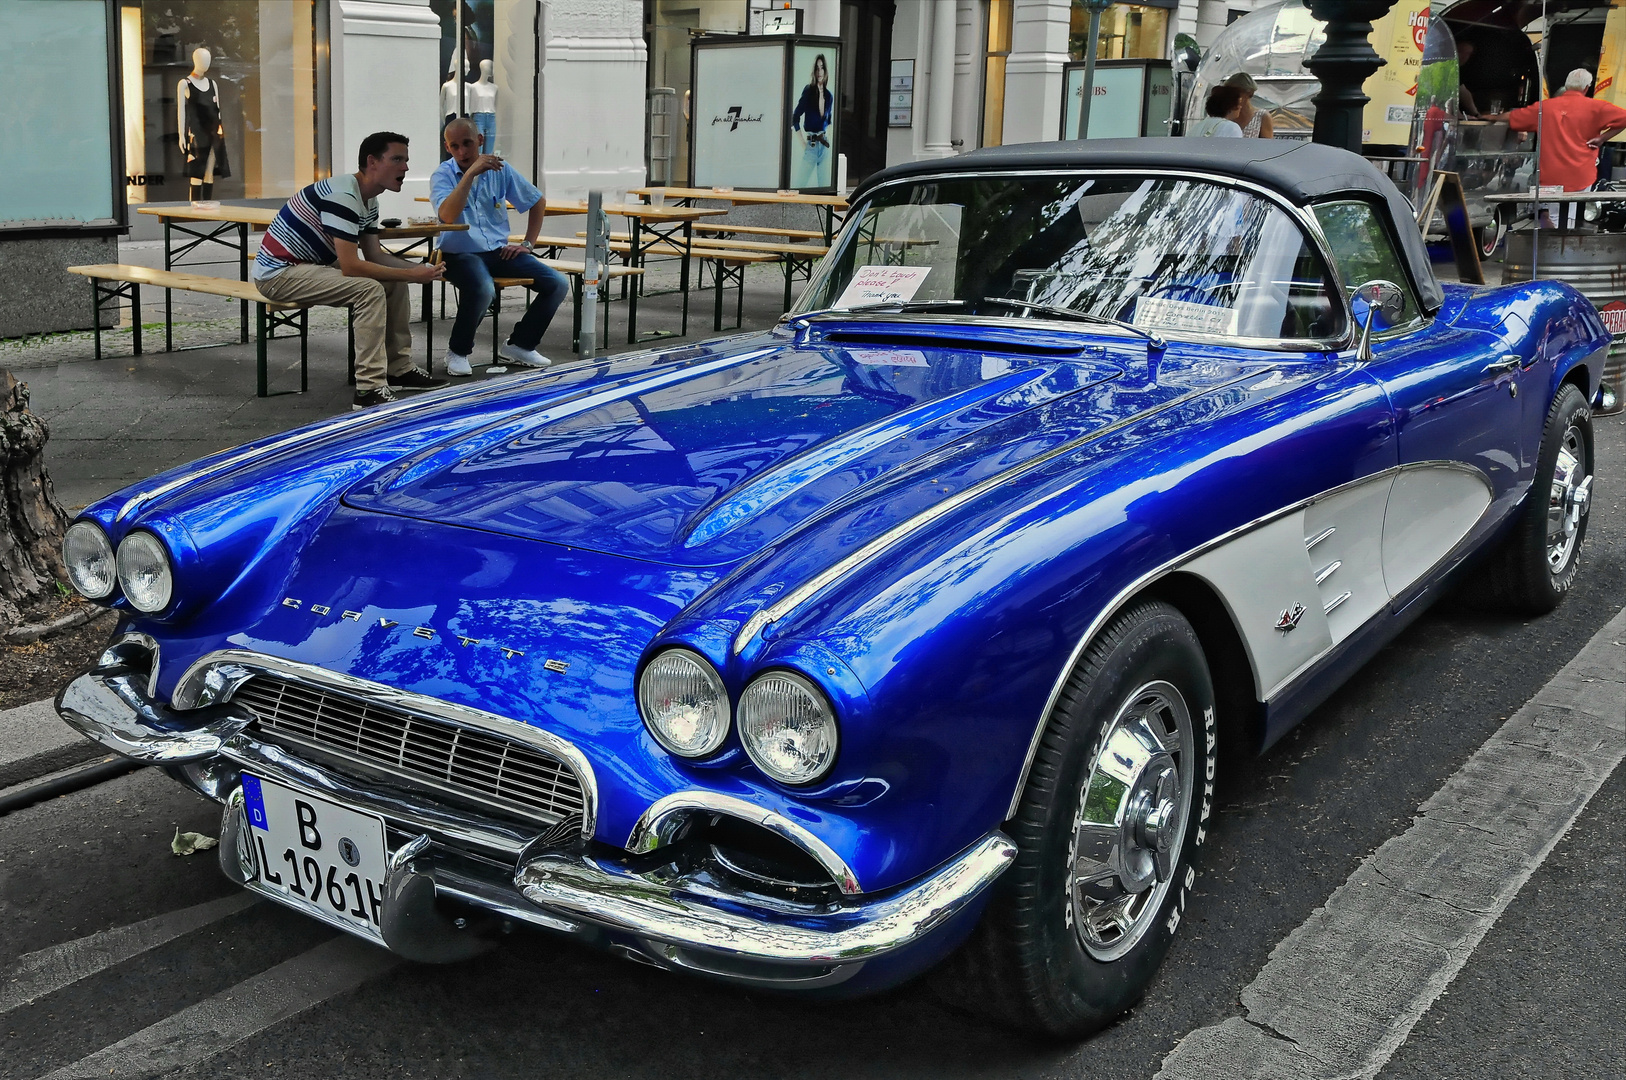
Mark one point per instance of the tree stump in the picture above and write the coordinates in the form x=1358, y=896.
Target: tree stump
x=31, y=519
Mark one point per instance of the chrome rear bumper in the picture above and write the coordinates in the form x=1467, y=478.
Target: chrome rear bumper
x=603, y=894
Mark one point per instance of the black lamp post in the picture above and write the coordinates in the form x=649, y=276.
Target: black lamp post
x=1343, y=63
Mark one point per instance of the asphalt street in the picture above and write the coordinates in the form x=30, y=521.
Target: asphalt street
x=109, y=966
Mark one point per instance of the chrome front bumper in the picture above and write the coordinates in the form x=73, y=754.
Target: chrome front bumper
x=603, y=894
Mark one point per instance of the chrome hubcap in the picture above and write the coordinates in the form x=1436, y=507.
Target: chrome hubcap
x=1568, y=500
x=1131, y=821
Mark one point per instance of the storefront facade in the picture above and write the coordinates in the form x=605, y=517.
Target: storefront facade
x=248, y=100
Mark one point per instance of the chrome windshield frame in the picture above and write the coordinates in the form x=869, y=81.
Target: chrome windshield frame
x=1300, y=214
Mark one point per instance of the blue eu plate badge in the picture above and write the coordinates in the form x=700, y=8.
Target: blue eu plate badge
x=254, y=801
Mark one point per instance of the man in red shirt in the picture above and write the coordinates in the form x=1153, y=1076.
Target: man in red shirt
x=1572, y=127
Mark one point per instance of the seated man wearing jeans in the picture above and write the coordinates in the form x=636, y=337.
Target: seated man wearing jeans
x=475, y=189
x=322, y=248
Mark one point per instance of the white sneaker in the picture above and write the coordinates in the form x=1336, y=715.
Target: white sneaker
x=457, y=365
x=525, y=357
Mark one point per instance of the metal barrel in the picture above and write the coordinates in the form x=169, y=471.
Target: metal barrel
x=1595, y=264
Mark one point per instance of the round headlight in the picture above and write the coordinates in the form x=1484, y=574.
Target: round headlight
x=144, y=572
x=89, y=558
x=787, y=728
x=684, y=703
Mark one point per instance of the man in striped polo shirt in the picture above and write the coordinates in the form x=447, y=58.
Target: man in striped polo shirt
x=322, y=248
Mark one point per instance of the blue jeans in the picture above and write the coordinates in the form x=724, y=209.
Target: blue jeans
x=471, y=273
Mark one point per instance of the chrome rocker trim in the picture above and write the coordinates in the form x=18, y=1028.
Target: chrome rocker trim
x=705, y=926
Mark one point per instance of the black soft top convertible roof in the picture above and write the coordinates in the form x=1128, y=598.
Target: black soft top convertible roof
x=1304, y=172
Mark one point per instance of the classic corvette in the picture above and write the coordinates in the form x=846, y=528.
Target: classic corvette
x=910, y=628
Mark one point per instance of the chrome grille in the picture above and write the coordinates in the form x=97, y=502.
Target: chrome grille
x=484, y=767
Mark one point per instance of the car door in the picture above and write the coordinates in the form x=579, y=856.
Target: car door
x=1456, y=399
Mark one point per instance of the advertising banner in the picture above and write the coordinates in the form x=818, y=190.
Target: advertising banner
x=1399, y=37
x=739, y=115
x=813, y=120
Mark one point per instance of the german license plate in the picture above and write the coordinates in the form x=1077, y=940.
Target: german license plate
x=317, y=856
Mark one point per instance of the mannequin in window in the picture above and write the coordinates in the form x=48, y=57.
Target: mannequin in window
x=481, y=98
x=448, y=105
x=202, y=134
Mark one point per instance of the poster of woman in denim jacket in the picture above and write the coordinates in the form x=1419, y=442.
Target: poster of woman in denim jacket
x=814, y=123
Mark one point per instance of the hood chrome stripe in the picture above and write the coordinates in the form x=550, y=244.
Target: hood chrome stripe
x=799, y=596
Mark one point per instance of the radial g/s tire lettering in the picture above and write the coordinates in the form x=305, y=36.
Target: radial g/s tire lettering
x=1115, y=811
x=1534, y=568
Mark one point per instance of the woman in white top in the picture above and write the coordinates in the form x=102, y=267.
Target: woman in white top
x=1255, y=123
x=1223, y=106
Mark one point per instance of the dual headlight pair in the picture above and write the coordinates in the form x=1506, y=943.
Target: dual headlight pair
x=141, y=567
x=786, y=725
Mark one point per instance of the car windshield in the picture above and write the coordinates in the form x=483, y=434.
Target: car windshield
x=1171, y=257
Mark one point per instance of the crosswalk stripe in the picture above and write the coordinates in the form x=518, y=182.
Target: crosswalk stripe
x=33, y=975
x=201, y=1031
x=1340, y=995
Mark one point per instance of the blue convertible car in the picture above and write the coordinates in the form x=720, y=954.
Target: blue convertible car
x=913, y=626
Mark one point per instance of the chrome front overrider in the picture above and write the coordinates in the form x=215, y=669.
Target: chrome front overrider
x=630, y=901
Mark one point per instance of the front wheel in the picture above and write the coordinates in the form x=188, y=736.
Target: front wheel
x=1108, y=828
x=1537, y=565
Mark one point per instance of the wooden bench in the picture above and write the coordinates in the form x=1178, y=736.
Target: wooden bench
x=761, y=230
x=112, y=282
x=797, y=259
x=576, y=272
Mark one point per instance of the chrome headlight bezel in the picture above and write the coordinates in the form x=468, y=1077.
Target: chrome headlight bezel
x=142, y=553
x=717, y=719
x=760, y=718
x=99, y=547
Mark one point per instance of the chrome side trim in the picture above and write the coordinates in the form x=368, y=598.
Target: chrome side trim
x=405, y=701
x=801, y=594
x=1328, y=571
x=1334, y=604
x=599, y=892
x=1309, y=545
x=1136, y=586
x=658, y=825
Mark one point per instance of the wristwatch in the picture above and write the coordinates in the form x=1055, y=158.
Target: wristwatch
x=527, y=245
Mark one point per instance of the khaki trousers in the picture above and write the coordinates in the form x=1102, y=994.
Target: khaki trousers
x=381, y=310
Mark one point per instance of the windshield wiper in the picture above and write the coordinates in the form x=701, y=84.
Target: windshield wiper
x=887, y=306
x=1073, y=313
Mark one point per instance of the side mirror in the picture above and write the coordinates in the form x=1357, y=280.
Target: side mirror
x=1382, y=300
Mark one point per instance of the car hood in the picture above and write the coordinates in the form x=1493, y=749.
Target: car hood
x=708, y=464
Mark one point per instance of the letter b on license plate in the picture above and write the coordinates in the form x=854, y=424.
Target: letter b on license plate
x=317, y=856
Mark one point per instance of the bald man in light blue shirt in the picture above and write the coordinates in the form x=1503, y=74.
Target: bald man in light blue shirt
x=475, y=188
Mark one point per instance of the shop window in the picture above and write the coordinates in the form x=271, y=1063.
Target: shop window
x=999, y=51
x=244, y=126
x=1128, y=31
x=672, y=26
x=57, y=81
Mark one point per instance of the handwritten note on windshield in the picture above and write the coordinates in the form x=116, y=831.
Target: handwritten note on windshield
x=883, y=285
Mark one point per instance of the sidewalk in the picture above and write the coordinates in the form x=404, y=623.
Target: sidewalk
x=122, y=419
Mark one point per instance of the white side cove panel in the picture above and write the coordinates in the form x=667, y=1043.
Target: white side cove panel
x=1344, y=534
x=1262, y=575
x=1431, y=508
x=1299, y=585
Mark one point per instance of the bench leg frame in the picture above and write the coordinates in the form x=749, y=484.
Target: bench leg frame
x=105, y=294
x=267, y=321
